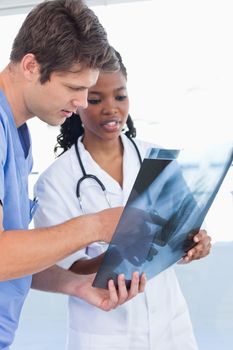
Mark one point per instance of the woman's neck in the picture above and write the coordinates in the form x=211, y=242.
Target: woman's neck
x=108, y=154
x=103, y=148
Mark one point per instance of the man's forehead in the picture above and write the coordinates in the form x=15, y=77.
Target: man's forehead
x=77, y=69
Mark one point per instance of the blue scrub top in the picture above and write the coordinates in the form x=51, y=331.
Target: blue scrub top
x=15, y=166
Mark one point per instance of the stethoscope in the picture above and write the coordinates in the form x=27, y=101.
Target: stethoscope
x=95, y=178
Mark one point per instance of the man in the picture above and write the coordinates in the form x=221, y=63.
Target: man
x=55, y=58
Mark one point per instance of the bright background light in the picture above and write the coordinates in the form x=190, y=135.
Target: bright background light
x=180, y=79
x=179, y=59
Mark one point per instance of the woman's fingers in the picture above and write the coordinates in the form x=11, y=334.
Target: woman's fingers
x=202, y=247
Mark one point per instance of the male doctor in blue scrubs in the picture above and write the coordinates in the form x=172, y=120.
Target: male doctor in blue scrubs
x=55, y=58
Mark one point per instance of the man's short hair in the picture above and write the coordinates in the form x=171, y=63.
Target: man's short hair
x=61, y=33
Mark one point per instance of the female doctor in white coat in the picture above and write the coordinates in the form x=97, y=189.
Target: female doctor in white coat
x=155, y=320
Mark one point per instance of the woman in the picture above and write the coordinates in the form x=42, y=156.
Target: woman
x=157, y=319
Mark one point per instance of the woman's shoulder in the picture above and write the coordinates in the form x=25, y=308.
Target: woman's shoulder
x=143, y=146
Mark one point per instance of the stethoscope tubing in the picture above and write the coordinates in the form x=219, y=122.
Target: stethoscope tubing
x=95, y=178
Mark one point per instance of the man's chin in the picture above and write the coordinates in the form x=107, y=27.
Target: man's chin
x=56, y=122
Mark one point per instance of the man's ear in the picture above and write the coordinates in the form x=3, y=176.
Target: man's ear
x=30, y=67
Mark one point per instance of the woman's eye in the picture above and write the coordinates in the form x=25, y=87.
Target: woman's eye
x=121, y=97
x=93, y=101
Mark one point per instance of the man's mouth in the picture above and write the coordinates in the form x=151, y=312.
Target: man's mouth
x=66, y=113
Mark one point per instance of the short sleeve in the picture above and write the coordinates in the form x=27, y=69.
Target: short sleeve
x=53, y=209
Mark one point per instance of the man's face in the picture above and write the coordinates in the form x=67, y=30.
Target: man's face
x=58, y=98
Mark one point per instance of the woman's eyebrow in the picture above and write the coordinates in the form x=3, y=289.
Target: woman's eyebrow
x=99, y=92
x=121, y=88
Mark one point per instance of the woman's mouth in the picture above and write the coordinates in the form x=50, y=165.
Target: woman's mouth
x=111, y=125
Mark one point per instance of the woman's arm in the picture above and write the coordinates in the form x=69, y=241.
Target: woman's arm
x=87, y=266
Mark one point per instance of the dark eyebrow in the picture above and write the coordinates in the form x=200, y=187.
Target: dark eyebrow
x=99, y=93
x=76, y=87
x=75, y=70
x=121, y=88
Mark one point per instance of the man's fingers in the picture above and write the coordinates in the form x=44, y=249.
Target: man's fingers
x=113, y=296
x=142, y=283
x=134, y=286
x=122, y=290
x=120, y=296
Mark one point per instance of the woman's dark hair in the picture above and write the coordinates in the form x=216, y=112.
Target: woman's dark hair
x=72, y=128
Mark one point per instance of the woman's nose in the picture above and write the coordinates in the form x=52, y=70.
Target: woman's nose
x=110, y=111
x=110, y=108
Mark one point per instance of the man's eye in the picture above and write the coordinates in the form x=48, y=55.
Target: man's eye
x=121, y=97
x=93, y=102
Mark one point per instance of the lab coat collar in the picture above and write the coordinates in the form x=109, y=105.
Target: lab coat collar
x=129, y=168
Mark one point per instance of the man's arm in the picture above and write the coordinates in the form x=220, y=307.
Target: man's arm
x=58, y=280
x=24, y=252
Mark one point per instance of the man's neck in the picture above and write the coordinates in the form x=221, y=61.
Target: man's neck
x=10, y=85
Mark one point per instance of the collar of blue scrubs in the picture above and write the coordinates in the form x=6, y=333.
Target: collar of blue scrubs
x=20, y=136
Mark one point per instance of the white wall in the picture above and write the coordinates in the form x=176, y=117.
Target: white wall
x=179, y=57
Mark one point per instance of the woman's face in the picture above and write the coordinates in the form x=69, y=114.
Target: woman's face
x=108, y=107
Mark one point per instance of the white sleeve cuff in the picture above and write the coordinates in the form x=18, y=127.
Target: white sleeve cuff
x=68, y=262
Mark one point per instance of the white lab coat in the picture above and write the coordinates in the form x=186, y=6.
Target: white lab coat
x=155, y=320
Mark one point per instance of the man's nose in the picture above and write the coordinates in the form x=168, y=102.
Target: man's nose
x=80, y=100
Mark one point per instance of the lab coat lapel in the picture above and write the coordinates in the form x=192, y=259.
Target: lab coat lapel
x=131, y=166
x=92, y=167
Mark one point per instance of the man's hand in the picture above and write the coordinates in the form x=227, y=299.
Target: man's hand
x=108, y=299
x=134, y=221
x=201, y=249
x=107, y=222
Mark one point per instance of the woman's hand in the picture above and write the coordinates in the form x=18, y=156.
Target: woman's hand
x=201, y=249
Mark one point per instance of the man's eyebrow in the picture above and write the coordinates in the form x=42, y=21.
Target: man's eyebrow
x=78, y=87
x=78, y=70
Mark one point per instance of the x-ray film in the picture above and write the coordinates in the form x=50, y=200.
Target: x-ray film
x=170, y=198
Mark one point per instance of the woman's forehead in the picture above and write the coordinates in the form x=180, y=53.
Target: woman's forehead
x=111, y=81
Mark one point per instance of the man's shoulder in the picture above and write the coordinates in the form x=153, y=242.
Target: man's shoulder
x=3, y=108
x=3, y=129
x=3, y=117
x=4, y=120
x=59, y=168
